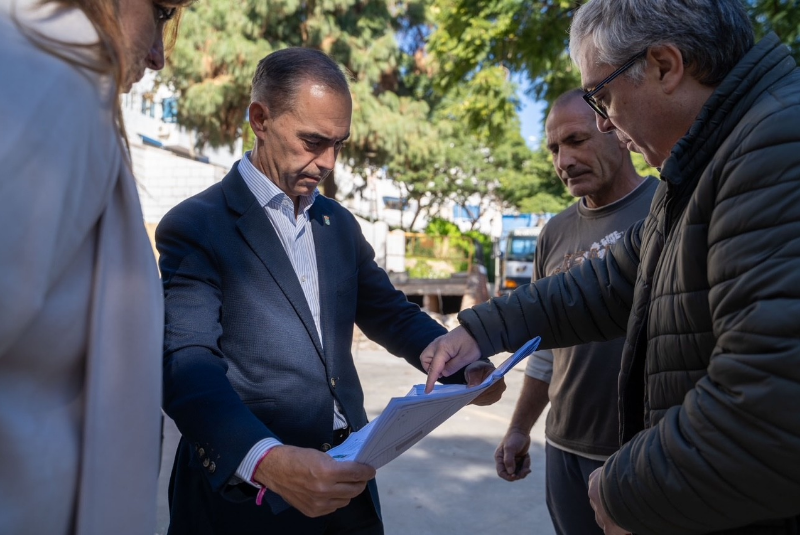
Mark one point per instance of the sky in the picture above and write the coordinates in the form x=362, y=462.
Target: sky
x=531, y=115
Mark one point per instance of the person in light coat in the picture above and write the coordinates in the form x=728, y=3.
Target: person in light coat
x=81, y=313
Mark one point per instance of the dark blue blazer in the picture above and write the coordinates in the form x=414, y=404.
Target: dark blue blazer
x=242, y=357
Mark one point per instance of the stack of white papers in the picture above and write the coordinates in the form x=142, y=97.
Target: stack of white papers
x=406, y=420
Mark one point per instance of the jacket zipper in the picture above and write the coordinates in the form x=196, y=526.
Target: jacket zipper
x=665, y=231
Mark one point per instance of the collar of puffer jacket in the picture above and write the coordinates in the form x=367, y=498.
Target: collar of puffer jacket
x=765, y=63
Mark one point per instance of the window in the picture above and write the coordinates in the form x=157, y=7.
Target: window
x=470, y=211
x=522, y=248
x=170, y=110
x=395, y=203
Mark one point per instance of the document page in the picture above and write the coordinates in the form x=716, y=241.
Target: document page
x=405, y=421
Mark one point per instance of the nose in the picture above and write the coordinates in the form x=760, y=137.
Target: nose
x=155, y=58
x=604, y=125
x=565, y=159
x=327, y=159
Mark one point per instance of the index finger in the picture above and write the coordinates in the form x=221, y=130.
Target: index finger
x=434, y=372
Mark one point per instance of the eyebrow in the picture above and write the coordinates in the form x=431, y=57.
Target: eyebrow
x=320, y=137
x=572, y=138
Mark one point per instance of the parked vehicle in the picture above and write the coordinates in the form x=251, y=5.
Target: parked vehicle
x=516, y=260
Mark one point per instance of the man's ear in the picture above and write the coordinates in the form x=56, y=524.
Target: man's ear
x=668, y=61
x=259, y=117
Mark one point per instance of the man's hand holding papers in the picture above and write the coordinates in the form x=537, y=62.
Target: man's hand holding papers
x=407, y=420
x=476, y=373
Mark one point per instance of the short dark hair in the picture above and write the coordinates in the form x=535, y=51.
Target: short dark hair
x=279, y=76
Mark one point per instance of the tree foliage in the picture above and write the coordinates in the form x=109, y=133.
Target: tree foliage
x=473, y=36
x=517, y=35
x=223, y=40
x=780, y=16
x=477, y=40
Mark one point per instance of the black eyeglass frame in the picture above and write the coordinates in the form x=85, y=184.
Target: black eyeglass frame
x=588, y=97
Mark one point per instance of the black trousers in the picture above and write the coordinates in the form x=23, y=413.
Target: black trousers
x=567, y=491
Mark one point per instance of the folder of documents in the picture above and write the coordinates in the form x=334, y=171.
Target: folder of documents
x=405, y=421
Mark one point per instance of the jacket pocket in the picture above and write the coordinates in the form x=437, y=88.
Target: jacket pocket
x=350, y=284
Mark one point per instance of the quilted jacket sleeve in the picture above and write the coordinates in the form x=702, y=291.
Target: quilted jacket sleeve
x=590, y=302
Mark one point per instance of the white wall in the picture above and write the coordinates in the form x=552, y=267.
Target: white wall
x=169, y=134
x=375, y=234
x=165, y=179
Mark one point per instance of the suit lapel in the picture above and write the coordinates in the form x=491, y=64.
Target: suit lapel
x=258, y=232
x=324, y=243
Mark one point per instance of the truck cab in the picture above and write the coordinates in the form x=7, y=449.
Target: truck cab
x=516, y=262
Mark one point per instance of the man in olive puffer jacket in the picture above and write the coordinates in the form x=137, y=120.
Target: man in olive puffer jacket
x=706, y=289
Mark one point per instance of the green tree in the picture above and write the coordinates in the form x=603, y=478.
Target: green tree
x=477, y=36
x=473, y=36
x=780, y=16
x=222, y=41
x=538, y=189
x=476, y=42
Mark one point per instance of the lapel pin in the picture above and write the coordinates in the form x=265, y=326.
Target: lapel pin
x=327, y=220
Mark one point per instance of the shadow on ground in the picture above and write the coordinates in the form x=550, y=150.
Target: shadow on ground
x=447, y=485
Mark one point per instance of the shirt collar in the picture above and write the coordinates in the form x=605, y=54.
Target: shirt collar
x=265, y=190
x=622, y=200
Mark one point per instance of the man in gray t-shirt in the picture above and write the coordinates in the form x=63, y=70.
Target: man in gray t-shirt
x=580, y=382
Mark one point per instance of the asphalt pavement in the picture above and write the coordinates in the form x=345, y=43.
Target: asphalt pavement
x=446, y=483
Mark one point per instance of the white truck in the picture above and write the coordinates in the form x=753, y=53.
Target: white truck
x=516, y=260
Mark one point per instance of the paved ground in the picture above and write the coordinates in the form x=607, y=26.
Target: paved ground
x=446, y=484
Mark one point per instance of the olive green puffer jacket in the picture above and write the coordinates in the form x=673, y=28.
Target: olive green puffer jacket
x=707, y=292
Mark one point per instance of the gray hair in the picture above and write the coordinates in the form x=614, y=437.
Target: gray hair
x=712, y=35
x=279, y=76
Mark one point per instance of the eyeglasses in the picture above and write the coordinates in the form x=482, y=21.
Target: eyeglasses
x=589, y=95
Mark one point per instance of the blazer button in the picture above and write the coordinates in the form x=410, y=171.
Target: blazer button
x=205, y=462
x=212, y=468
x=325, y=447
x=201, y=452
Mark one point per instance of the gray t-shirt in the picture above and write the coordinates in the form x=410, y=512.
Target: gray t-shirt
x=583, y=387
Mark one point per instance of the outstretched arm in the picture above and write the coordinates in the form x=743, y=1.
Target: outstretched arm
x=590, y=302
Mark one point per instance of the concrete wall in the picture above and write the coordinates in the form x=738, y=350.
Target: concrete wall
x=165, y=179
x=376, y=235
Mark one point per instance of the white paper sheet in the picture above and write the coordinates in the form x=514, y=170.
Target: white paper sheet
x=405, y=421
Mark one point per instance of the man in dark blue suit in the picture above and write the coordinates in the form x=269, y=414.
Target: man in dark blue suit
x=264, y=279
